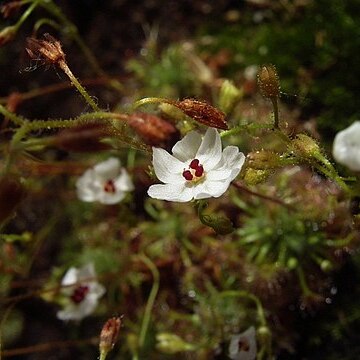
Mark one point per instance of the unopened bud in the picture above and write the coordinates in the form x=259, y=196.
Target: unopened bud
x=253, y=176
x=202, y=112
x=263, y=159
x=264, y=335
x=11, y=194
x=7, y=34
x=305, y=147
x=326, y=266
x=268, y=81
x=109, y=335
x=229, y=96
x=11, y=8
x=171, y=344
x=83, y=138
x=154, y=130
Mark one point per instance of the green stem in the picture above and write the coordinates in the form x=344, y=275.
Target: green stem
x=331, y=174
x=26, y=14
x=247, y=127
x=79, y=87
x=246, y=295
x=17, y=120
x=274, y=101
x=304, y=287
x=151, y=299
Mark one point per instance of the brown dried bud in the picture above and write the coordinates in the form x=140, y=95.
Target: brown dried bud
x=11, y=194
x=7, y=34
x=11, y=8
x=268, y=81
x=109, y=335
x=83, y=138
x=202, y=112
x=48, y=50
x=154, y=130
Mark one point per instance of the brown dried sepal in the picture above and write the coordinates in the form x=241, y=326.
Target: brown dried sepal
x=10, y=9
x=202, y=112
x=11, y=194
x=48, y=50
x=83, y=138
x=154, y=130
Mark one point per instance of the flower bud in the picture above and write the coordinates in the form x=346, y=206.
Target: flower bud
x=10, y=9
x=268, y=81
x=83, y=138
x=7, y=34
x=109, y=335
x=172, y=344
x=154, y=130
x=11, y=194
x=305, y=147
x=229, y=96
x=263, y=159
x=264, y=335
x=203, y=113
x=253, y=176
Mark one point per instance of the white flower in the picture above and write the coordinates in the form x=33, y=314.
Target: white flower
x=198, y=168
x=82, y=298
x=107, y=182
x=243, y=346
x=346, y=147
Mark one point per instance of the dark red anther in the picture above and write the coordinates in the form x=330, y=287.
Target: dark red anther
x=79, y=294
x=187, y=175
x=109, y=187
x=194, y=164
x=199, y=171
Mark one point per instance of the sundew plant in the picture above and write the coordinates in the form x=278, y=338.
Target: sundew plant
x=170, y=212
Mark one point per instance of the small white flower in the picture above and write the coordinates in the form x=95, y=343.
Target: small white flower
x=107, y=183
x=82, y=298
x=197, y=168
x=243, y=346
x=346, y=147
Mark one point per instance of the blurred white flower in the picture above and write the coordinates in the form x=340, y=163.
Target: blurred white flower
x=81, y=292
x=346, y=147
x=243, y=346
x=197, y=168
x=107, y=183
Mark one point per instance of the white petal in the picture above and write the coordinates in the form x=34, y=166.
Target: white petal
x=247, y=336
x=110, y=198
x=234, y=160
x=69, y=313
x=186, y=148
x=96, y=290
x=108, y=169
x=209, y=153
x=87, y=186
x=71, y=277
x=346, y=147
x=123, y=181
x=168, y=169
x=171, y=192
x=210, y=189
x=86, y=272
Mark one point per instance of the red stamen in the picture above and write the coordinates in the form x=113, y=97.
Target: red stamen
x=199, y=171
x=187, y=175
x=109, y=187
x=194, y=164
x=79, y=294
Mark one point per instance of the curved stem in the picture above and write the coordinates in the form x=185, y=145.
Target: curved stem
x=151, y=299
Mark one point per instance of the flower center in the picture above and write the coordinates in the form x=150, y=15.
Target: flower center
x=79, y=294
x=195, y=171
x=109, y=187
x=244, y=345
